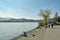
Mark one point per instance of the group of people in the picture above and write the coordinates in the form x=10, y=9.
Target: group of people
x=50, y=24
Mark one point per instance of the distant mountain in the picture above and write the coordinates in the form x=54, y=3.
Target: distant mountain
x=17, y=20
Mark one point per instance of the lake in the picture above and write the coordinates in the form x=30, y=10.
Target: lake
x=10, y=30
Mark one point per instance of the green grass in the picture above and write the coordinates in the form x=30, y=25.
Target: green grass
x=57, y=23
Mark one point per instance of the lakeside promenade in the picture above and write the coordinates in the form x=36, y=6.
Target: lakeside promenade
x=52, y=33
x=42, y=34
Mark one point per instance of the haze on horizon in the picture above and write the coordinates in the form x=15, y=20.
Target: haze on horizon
x=27, y=8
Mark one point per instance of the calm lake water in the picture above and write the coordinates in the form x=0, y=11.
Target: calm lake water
x=10, y=30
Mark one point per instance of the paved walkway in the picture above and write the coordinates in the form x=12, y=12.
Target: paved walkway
x=52, y=33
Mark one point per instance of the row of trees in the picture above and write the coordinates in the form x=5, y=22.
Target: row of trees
x=45, y=14
x=57, y=18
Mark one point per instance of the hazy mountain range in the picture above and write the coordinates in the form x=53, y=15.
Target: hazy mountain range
x=17, y=20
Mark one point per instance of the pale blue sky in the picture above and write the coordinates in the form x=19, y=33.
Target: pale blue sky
x=27, y=8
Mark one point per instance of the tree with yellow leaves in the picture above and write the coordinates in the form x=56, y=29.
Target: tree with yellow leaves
x=45, y=14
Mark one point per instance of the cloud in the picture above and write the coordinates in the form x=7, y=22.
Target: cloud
x=18, y=13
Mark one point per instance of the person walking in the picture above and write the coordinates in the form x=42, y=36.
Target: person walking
x=52, y=24
x=49, y=23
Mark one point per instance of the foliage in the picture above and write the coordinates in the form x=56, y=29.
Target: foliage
x=45, y=14
x=56, y=17
x=57, y=23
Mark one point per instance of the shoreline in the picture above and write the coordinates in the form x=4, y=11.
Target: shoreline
x=38, y=35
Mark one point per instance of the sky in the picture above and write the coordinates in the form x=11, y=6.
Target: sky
x=27, y=8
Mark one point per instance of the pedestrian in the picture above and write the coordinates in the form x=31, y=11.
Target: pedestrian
x=46, y=26
x=52, y=24
x=49, y=24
